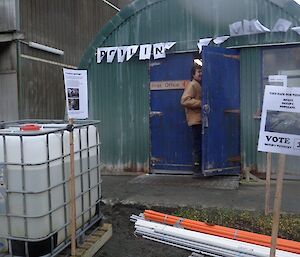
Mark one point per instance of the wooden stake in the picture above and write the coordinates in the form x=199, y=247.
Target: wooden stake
x=72, y=193
x=247, y=174
x=268, y=183
x=277, y=204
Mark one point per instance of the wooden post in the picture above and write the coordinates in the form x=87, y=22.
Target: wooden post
x=72, y=192
x=268, y=183
x=247, y=174
x=277, y=204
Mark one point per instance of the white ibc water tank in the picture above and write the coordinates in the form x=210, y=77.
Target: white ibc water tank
x=3, y=241
x=35, y=202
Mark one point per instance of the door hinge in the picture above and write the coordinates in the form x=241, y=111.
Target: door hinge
x=156, y=114
x=235, y=159
x=232, y=56
x=238, y=111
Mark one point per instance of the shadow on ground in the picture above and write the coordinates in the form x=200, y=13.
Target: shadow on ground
x=125, y=244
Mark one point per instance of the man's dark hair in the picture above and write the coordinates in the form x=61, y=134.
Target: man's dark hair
x=193, y=70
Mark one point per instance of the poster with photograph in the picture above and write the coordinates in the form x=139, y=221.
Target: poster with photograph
x=76, y=93
x=280, y=121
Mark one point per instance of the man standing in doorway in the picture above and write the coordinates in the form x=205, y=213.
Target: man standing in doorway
x=191, y=100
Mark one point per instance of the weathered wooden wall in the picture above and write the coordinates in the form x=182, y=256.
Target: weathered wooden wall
x=69, y=25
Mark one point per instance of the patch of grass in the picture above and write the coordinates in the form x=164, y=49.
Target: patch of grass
x=289, y=225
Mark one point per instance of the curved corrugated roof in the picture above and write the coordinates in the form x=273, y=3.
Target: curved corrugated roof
x=264, y=10
x=117, y=20
x=289, y=6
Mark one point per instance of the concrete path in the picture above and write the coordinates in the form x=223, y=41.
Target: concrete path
x=184, y=191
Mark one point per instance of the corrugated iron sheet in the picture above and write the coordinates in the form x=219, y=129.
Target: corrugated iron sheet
x=251, y=100
x=183, y=21
x=120, y=94
x=291, y=169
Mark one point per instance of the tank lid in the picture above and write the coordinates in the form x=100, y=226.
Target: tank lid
x=30, y=127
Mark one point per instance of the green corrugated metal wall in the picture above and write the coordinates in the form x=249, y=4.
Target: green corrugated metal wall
x=119, y=96
x=119, y=92
x=251, y=93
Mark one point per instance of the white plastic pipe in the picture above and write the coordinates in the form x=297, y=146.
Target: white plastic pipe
x=196, y=247
x=215, y=241
x=111, y=5
x=201, y=248
x=46, y=48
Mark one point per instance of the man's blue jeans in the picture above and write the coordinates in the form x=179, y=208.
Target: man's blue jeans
x=197, y=145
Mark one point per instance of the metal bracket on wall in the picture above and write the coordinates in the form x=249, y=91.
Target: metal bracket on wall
x=47, y=61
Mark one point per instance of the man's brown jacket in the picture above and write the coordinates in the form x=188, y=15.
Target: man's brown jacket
x=191, y=100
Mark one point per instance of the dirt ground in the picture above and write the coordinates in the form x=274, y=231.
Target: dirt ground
x=124, y=243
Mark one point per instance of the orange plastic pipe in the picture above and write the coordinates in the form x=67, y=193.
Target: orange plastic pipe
x=260, y=239
x=228, y=233
x=235, y=234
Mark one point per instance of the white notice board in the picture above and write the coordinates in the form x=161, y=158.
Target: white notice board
x=280, y=121
x=76, y=93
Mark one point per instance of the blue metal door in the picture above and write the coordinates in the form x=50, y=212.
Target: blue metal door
x=171, y=147
x=220, y=111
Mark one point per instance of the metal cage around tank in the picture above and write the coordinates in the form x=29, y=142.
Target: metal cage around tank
x=34, y=215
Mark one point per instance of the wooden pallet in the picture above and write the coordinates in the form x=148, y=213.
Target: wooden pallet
x=93, y=243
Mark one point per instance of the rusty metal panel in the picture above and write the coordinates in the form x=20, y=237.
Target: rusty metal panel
x=9, y=15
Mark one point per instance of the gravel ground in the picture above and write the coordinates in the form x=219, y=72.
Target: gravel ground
x=124, y=243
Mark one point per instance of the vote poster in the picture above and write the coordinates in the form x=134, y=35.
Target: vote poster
x=280, y=121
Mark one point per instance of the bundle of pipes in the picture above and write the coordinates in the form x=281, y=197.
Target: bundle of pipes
x=200, y=243
x=239, y=235
x=197, y=242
